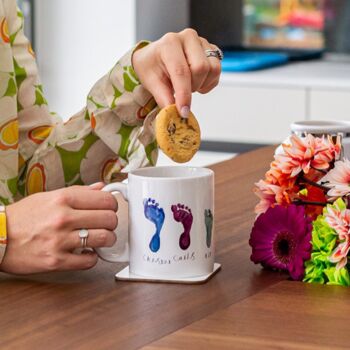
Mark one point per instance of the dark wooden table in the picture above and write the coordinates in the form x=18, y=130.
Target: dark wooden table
x=242, y=307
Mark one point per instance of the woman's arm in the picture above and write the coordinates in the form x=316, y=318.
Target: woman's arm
x=38, y=152
x=105, y=137
x=113, y=133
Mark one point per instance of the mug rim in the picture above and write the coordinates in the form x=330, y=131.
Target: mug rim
x=141, y=173
x=324, y=126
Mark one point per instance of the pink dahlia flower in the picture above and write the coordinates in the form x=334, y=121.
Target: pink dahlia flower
x=338, y=218
x=339, y=256
x=269, y=195
x=338, y=179
x=281, y=239
x=305, y=153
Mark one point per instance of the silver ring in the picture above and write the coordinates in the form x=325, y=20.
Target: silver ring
x=215, y=53
x=83, y=235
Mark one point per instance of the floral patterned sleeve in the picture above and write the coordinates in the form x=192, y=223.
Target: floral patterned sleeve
x=38, y=152
x=111, y=134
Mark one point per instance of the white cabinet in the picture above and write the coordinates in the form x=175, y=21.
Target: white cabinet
x=258, y=107
x=248, y=114
x=330, y=104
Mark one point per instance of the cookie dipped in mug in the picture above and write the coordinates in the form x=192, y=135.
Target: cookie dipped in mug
x=179, y=138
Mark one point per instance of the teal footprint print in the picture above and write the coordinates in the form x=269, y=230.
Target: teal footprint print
x=156, y=215
x=208, y=215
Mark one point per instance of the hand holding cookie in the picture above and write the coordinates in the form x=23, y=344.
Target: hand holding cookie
x=175, y=66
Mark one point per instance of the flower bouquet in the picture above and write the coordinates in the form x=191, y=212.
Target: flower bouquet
x=303, y=222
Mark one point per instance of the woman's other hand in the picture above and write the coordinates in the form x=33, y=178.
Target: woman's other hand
x=177, y=65
x=43, y=229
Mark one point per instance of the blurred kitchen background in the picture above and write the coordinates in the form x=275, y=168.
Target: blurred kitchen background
x=286, y=60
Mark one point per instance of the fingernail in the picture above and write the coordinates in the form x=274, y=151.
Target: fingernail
x=185, y=111
x=97, y=185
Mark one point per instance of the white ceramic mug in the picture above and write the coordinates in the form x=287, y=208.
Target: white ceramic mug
x=322, y=127
x=171, y=227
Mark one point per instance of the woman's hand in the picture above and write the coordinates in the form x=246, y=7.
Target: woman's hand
x=43, y=229
x=177, y=64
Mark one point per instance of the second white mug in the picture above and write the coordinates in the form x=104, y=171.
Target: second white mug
x=323, y=127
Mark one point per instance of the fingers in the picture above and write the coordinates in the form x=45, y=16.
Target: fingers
x=176, y=65
x=97, y=238
x=83, y=261
x=213, y=76
x=162, y=90
x=93, y=219
x=148, y=65
x=196, y=58
x=84, y=197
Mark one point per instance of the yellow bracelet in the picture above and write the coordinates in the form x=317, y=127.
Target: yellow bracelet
x=3, y=232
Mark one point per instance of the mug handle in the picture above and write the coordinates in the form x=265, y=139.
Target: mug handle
x=124, y=255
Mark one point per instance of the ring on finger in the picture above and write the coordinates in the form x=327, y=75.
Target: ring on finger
x=215, y=53
x=83, y=235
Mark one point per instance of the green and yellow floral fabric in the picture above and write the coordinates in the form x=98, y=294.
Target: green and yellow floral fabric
x=38, y=152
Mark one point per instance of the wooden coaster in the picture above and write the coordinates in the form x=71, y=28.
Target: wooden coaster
x=125, y=275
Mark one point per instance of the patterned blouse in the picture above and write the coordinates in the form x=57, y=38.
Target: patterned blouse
x=38, y=152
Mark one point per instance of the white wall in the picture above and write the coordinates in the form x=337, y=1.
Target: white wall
x=78, y=41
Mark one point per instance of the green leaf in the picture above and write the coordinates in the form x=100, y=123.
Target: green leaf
x=129, y=81
x=149, y=150
x=125, y=132
x=117, y=94
x=338, y=277
x=304, y=192
x=12, y=185
x=39, y=96
x=98, y=105
x=4, y=201
x=21, y=185
x=11, y=88
x=20, y=73
x=71, y=160
x=319, y=269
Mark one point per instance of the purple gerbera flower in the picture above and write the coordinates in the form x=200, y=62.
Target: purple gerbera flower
x=281, y=239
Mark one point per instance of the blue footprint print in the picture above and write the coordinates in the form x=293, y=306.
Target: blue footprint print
x=156, y=215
